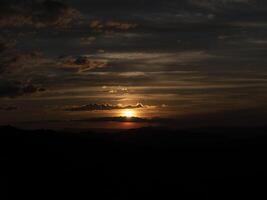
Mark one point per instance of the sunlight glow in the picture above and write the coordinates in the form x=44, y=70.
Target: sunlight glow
x=128, y=113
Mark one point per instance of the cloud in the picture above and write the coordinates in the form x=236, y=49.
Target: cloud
x=87, y=40
x=119, y=119
x=15, y=61
x=156, y=120
x=232, y=10
x=6, y=44
x=156, y=58
x=120, y=25
x=36, y=13
x=81, y=63
x=17, y=88
x=117, y=90
x=173, y=11
x=94, y=107
x=5, y=52
x=99, y=25
x=8, y=108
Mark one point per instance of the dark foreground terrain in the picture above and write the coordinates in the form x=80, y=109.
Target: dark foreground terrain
x=146, y=163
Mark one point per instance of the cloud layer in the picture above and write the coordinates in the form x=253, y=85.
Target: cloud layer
x=94, y=107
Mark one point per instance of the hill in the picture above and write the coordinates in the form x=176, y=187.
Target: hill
x=226, y=163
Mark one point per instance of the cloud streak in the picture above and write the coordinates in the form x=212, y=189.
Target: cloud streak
x=95, y=107
x=14, y=89
x=99, y=25
x=8, y=108
x=81, y=63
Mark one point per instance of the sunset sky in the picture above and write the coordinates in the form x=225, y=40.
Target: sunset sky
x=92, y=61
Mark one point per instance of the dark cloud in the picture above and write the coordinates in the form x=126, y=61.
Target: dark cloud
x=17, y=88
x=235, y=118
x=5, y=47
x=8, y=108
x=99, y=25
x=6, y=44
x=182, y=10
x=93, y=107
x=125, y=119
x=81, y=63
x=14, y=61
x=36, y=13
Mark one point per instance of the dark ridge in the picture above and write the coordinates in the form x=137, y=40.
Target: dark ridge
x=226, y=163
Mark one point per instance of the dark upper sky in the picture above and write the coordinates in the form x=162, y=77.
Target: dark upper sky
x=187, y=59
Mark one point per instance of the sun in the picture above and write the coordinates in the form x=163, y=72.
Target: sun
x=128, y=113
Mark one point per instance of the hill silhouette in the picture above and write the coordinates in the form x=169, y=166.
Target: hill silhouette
x=226, y=163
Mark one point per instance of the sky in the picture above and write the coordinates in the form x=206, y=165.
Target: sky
x=85, y=63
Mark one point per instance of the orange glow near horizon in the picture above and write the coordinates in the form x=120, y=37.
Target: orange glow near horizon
x=128, y=113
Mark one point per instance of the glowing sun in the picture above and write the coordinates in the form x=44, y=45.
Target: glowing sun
x=128, y=113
